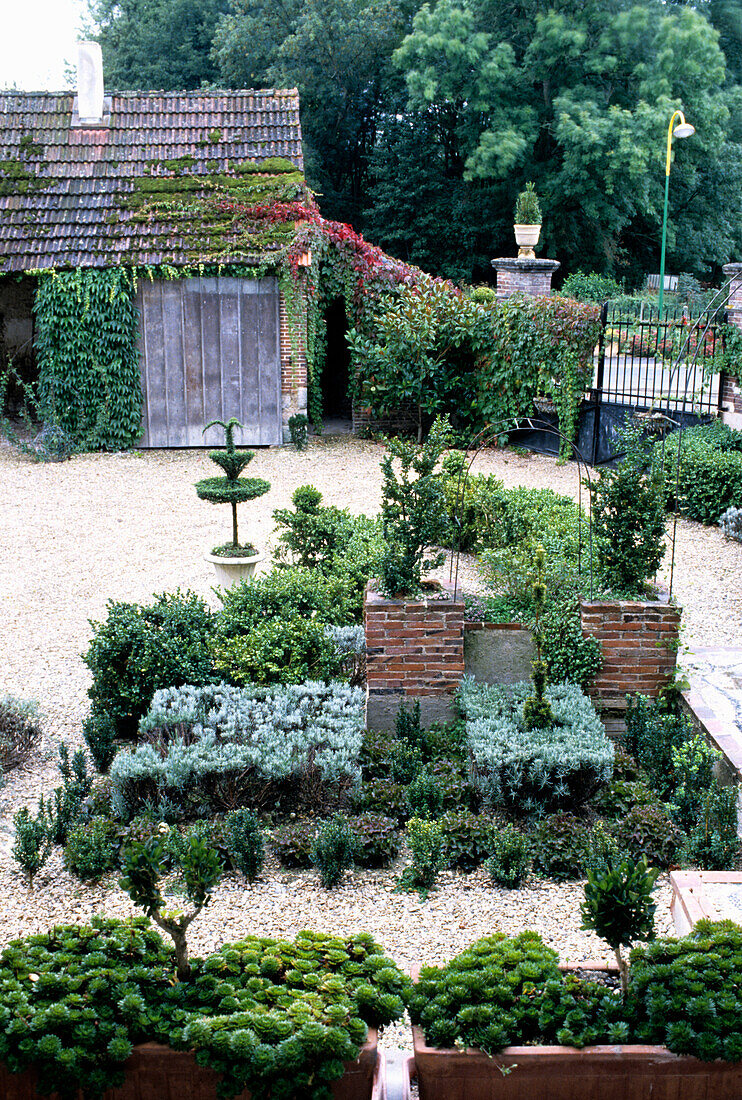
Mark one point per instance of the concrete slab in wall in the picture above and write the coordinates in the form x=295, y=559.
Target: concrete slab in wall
x=498, y=653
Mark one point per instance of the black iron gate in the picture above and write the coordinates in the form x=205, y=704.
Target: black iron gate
x=646, y=363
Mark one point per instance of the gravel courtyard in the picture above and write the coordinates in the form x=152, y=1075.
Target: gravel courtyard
x=125, y=526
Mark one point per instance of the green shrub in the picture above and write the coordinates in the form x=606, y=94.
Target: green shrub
x=313, y=534
x=687, y=992
x=559, y=844
x=333, y=850
x=511, y=857
x=20, y=731
x=383, y=796
x=628, y=517
x=286, y=593
x=452, y=777
x=218, y=747
x=287, y=650
x=201, y=870
x=32, y=843
x=710, y=478
x=601, y=849
x=244, y=842
x=538, y=769
x=91, y=849
x=693, y=777
x=467, y=838
x=649, y=831
x=590, y=286
x=651, y=736
x=138, y=649
x=502, y=991
x=426, y=845
x=66, y=803
x=425, y=795
x=298, y=430
x=413, y=517
x=527, y=207
x=618, y=907
x=292, y=843
x=376, y=839
x=713, y=843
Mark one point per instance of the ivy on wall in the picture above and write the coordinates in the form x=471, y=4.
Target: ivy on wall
x=86, y=344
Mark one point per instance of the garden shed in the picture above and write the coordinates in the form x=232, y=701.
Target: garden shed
x=126, y=252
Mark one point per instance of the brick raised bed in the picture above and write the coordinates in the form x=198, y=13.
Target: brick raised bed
x=414, y=650
x=639, y=642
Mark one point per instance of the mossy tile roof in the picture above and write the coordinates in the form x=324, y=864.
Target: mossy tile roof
x=137, y=189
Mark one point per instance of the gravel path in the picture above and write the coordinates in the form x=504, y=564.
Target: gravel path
x=125, y=526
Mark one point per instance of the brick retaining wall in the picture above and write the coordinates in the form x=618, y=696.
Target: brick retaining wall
x=639, y=641
x=414, y=650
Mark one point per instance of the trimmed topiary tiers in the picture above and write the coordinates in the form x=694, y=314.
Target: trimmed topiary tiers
x=230, y=489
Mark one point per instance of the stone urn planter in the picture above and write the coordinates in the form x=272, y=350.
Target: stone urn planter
x=155, y=1072
x=564, y=1073
x=232, y=570
x=526, y=237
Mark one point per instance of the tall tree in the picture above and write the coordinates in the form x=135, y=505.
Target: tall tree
x=577, y=95
x=157, y=43
x=338, y=53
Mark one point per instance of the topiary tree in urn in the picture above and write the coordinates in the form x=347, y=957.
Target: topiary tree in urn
x=233, y=490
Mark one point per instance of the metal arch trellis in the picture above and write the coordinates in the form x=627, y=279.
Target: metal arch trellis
x=482, y=440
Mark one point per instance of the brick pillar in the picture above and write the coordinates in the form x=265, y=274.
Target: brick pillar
x=532, y=277
x=639, y=640
x=293, y=366
x=730, y=386
x=414, y=650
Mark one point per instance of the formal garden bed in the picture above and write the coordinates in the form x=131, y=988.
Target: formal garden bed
x=459, y=834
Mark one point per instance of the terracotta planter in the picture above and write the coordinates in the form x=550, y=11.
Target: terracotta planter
x=563, y=1073
x=155, y=1072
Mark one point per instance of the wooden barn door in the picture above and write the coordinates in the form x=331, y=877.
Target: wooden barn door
x=210, y=350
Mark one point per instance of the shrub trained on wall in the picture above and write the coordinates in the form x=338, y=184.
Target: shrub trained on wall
x=86, y=343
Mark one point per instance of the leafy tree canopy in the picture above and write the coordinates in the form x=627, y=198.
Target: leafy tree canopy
x=163, y=44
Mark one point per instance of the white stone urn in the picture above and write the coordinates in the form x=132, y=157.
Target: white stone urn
x=231, y=571
x=526, y=237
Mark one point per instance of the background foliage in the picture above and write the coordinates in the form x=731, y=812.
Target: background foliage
x=423, y=121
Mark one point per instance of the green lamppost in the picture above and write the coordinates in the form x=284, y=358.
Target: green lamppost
x=684, y=129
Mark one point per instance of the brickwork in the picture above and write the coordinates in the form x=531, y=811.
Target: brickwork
x=531, y=277
x=293, y=370
x=639, y=641
x=730, y=397
x=414, y=650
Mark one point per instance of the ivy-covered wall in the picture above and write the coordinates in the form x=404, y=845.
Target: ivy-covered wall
x=86, y=344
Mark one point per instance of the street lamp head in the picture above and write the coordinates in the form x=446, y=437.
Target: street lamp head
x=684, y=130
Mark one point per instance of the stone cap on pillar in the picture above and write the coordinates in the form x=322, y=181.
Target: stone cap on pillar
x=524, y=276
x=729, y=269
